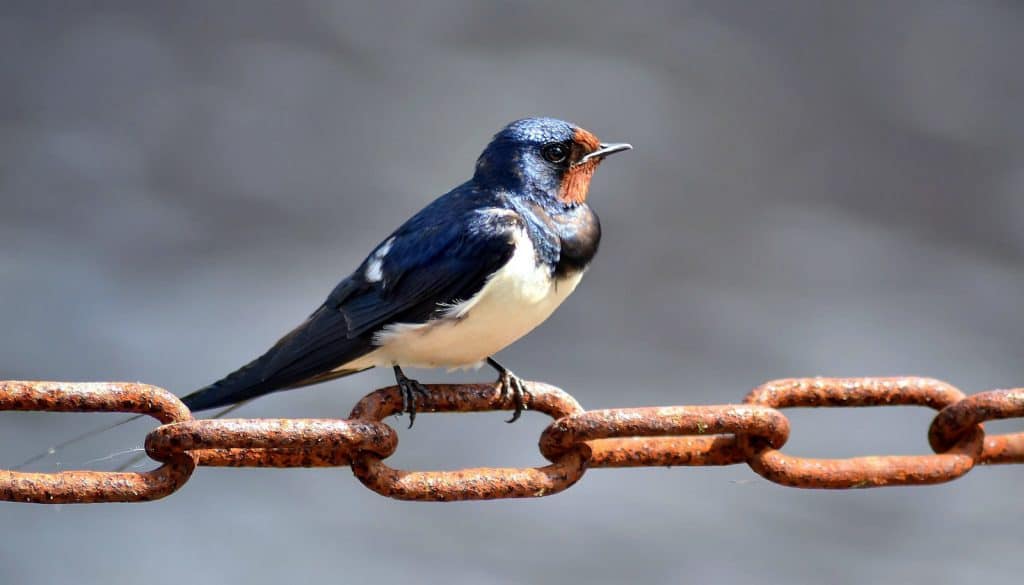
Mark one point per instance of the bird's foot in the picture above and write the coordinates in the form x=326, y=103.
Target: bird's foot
x=409, y=389
x=511, y=384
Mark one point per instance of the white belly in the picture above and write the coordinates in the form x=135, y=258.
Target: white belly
x=514, y=301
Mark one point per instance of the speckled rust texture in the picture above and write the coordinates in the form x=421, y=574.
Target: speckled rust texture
x=860, y=472
x=958, y=419
x=469, y=484
x=73, y=487
x=271, y=442
x=576, y=440
x=613, y=433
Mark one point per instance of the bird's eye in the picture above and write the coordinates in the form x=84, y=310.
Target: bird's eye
x=555, y=153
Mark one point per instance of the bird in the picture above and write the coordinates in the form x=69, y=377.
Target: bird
x=469, y=274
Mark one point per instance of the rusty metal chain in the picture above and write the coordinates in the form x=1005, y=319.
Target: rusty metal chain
x=752, y=432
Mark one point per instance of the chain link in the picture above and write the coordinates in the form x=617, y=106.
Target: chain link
x=950, y=462
x=752, y=433
x=69, y=487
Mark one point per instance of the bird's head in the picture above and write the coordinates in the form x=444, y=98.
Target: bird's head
x=544, y=157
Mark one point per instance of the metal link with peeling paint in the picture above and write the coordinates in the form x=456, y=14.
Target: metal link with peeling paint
x=752, y=432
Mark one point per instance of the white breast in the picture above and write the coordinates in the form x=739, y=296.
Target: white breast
x=516, y=299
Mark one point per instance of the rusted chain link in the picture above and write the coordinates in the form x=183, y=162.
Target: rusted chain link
x=950, y=462
x=752, y=432
x=91, y=486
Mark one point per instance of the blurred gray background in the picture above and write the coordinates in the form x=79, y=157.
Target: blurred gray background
x=817, y=189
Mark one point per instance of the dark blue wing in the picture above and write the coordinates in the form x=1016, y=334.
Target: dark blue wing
x=426, y=270
x=443, y=255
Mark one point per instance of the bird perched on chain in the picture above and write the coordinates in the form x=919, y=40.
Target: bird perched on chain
x=462, y=279
x=472, y=272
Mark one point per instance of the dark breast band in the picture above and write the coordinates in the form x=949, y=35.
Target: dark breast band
x=579, y=234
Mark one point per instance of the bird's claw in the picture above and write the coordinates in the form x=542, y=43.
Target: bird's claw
x=510, y=383
x=409, y=389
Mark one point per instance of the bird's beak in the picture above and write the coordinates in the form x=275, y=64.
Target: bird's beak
x=607, y=149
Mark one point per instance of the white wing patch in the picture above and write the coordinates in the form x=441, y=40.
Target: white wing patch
x=374, y=268
x=496, y=212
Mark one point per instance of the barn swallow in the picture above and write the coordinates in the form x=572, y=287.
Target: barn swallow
x=472, y=272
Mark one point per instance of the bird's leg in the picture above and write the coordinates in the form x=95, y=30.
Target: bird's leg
x=409, y=388
x=510, y=383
